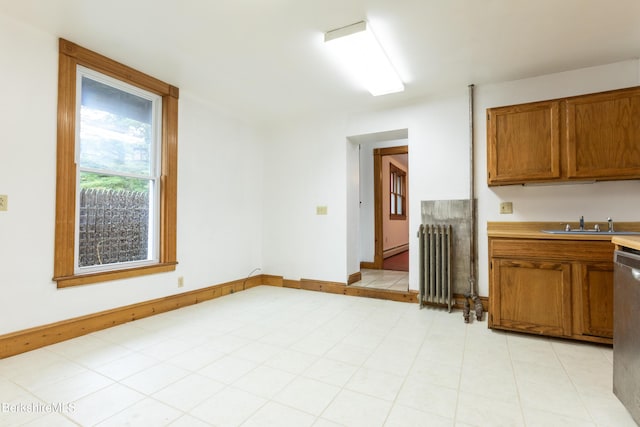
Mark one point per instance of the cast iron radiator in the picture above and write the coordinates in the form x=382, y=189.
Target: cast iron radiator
x=435, y=264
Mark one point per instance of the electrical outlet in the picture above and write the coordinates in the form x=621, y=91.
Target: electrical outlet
x=180, y=282
x=4, y=200
x=506, y=207
x=321, y=210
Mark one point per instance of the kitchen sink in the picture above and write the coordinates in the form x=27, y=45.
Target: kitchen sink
x=617, y=233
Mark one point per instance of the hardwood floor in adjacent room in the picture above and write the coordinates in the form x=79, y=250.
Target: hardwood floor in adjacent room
x=399, y=262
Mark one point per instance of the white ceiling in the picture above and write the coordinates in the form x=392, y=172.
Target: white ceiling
x=264, y=60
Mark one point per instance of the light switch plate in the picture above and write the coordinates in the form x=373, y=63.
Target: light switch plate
x=321, y=210
x=4, y=201
x=506, y=207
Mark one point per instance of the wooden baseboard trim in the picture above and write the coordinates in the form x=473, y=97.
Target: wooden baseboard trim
x=357, y=291
x=353, y=278
x=395, y=251
x=369, y=265
x=293, y=284
x=270, y=280
x=40, y=336
x=400, y=296
x=341, y=288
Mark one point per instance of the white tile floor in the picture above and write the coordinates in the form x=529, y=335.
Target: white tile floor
x=384, y=279
x=282, y=357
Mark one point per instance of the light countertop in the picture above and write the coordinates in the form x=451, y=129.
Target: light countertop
x=533, y=230
x=632, y=242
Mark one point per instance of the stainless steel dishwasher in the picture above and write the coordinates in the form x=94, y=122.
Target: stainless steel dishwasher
x=626, y=330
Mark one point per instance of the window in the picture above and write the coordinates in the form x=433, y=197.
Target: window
x=116, y=170
x=397, y=186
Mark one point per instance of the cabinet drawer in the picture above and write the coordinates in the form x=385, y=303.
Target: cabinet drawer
x=560, y=250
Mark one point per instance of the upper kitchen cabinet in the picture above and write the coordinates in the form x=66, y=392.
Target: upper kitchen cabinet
x=523, y=143
x=603, y=135
x=588, y=137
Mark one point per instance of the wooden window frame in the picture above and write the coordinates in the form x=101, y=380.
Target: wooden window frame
x=71, y=55
x=394, y=172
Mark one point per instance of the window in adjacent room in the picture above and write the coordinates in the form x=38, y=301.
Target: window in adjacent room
x=116, y=179
x=398, y=183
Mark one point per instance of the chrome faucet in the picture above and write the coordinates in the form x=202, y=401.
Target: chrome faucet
x=610, y=222
x=582, y=223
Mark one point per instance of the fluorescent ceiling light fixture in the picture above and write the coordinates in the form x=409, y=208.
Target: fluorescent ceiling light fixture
x=359, y=51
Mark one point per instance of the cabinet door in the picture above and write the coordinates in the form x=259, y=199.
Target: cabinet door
x=531, y=296
x=603, y=135
x=597, y=299
x=523, y=143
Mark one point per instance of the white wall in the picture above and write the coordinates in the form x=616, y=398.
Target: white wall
x=219, y=199
x=353, y=225
x=305, y=167
x=219, y=196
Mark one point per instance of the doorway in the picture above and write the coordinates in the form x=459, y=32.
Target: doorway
x=390, y=267
x=391, y=201
x=370, y=207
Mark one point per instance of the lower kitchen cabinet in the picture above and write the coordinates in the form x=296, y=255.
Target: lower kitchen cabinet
x=560, y=288
x=596, y=299
x=531, y=296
